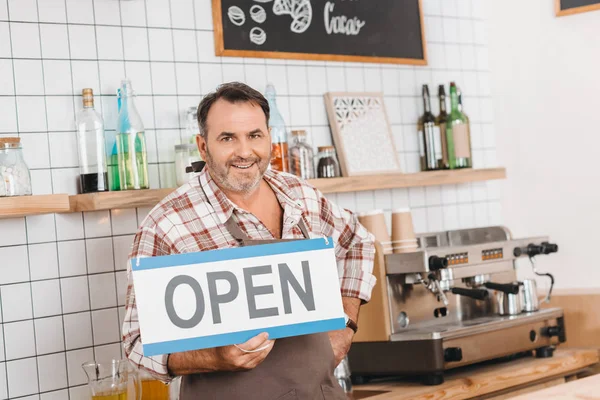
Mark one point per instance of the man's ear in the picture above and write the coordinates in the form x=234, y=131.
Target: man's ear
x=201, y=143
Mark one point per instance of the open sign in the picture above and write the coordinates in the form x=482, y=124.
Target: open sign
x=221, y=297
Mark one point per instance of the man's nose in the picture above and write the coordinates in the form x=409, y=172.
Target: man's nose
x=244, y=149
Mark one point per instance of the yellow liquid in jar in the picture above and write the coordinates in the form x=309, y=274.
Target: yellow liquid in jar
x=154, y=390
x=115, y=396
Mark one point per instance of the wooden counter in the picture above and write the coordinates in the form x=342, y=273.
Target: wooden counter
x=586, y=388
x=489, y=381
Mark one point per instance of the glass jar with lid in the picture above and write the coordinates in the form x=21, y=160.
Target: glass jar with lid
x=191, y=127
x=185, y=155
x=328, y=166
x=15, y=179
x=301, y=156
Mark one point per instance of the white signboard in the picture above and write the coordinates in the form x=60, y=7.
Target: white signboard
x=221, y=297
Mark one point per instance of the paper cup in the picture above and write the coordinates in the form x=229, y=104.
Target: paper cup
x=374, y=222
x=403, y=234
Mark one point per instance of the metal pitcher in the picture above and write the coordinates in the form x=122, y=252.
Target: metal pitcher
x=112, y=380
x=530, y=298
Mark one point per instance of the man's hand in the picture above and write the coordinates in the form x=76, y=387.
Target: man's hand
x=226, y=358
x=340, y=343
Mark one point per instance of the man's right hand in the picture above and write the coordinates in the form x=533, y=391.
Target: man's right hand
x=226, y=358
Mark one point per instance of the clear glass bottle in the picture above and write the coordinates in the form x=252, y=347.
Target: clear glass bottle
x=301, y=156
x=279, y=144
x=192, y=128
x=15, y=179
x=328, y=166
x=185, y=155
x=429, y=135
x=93, y=173
x=131, y=142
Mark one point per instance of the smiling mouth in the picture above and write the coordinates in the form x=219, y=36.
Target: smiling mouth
x=242, y=166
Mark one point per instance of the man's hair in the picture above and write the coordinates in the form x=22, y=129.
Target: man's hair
x=232, y=92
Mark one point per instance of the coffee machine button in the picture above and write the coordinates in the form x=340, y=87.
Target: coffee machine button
x=453, y=354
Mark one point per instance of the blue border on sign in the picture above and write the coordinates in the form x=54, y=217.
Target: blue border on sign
x=276, y=332
x=233, y=253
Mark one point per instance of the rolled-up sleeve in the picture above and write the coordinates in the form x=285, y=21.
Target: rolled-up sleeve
x=146, y=244
x=355, y=249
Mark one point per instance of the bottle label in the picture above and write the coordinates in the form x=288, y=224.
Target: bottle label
x=462, y=147
x=437, y=142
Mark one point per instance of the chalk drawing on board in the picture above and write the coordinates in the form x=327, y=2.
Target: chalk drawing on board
x=361, y=130
x=236, y=15
x=258, y=14
x=300, y=10
x=257, y=36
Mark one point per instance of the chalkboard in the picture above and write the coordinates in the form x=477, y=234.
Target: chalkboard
x=569, y=7
x=382, y=31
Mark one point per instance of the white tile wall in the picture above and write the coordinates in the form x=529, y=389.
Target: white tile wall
x=62, y=277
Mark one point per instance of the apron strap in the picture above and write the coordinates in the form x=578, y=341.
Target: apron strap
x=238, y=234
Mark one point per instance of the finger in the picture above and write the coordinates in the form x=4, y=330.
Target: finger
x=255, y=342
x=255, y=359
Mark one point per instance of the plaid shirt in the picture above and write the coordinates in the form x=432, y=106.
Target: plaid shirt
x=193, y=217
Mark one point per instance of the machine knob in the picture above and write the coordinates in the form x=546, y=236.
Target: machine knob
x=453, y=354
x=548, y=248
x=437, y=263
x=551, y=331
x=531, y=250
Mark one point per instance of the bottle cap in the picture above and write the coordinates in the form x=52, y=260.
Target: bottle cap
x=299, y=132
x=325, y=148
x=88, y=97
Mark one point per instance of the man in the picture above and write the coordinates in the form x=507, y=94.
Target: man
x=236, y=200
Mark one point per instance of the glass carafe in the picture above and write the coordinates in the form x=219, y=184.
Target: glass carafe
x=112, y=380
x=131, y=142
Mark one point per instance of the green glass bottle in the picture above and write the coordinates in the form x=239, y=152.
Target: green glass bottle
x=457, y=134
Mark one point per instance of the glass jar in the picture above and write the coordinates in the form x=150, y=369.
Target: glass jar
x=328, y=166
x=185, y=155
x=301, y=156
x=15, y=179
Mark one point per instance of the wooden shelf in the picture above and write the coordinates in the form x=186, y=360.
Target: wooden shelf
x=391, y=181
x=149, y=198
x=112, y=200
x=20, y=206
x=59, y=203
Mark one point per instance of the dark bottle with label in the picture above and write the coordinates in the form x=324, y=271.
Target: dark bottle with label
x=440, y=122
x=428, y=144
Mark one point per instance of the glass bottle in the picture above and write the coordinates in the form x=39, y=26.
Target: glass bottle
x=440, y=123
x=328, y=166
x=15, y=178
x=457, y=133
x=301, y=156
x=131, y=142
x=192, y=128
x=279, y=145
x=93, y=173
x=469, y=159
x=185, y=155
x=113, y=167
x=428, y=134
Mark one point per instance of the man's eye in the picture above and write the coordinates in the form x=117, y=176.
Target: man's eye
x=255, y=136
x=226, y=139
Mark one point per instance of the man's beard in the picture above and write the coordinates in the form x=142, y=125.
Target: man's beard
x=241, y=184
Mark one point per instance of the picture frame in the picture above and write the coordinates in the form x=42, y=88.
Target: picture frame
x=569, y=7
x=361, y=133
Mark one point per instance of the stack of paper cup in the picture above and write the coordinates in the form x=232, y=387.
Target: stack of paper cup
x=403, y=234
x=374, y=222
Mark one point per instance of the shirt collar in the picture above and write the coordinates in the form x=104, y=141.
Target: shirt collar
x=224, y=207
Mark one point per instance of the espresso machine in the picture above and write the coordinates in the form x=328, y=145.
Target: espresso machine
x=454, y=301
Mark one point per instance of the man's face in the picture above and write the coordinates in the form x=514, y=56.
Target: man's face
x=237, y=147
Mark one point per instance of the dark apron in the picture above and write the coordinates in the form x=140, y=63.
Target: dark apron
x=298, y=367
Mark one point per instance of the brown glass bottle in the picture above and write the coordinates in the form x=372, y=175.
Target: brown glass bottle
x=440, y=123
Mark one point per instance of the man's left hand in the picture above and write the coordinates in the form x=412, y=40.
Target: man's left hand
x=340, y=343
